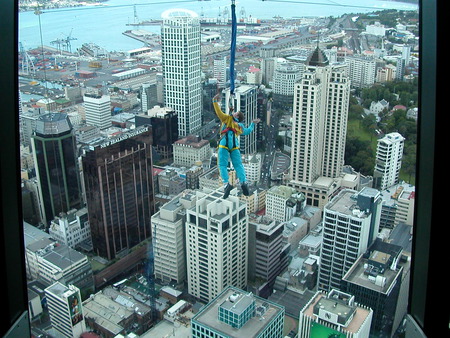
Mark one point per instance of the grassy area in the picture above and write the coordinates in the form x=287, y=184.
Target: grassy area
x=355, y=129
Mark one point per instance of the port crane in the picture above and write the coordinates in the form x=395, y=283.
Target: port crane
x=64, y=43
x=27, y=63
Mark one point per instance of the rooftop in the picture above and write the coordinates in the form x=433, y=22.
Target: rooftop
x=208, y=315
x=53, y=124
x=192, y=141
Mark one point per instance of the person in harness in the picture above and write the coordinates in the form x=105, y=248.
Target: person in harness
x=232, y=127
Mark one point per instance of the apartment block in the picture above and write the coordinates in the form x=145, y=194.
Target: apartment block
x=48, y=261
x=388, y=161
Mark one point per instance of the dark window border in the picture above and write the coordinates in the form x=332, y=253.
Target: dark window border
x=428, y=284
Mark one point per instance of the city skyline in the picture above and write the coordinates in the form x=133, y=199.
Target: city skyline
x=195, y=281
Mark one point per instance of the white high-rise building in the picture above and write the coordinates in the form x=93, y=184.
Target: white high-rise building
x=388, y=161
x=319, y=121
x=181, y=60
x=350, y=225
x=285, y=76
x=216, y=244
x=245, y=100
x=97, y=110
x=361, y=70
x=168, y=239
x=220, y=71
x=65, y=309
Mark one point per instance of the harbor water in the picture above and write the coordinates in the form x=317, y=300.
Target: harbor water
x=105, y=23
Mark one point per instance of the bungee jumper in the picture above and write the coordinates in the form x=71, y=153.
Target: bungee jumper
x=232, y=127
x=228, y=149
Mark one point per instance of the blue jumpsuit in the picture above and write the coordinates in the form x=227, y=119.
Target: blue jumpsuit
x=229, y=144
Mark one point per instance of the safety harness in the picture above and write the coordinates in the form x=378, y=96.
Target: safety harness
x=223, y=134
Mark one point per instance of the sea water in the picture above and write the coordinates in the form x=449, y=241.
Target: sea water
x=104, y=24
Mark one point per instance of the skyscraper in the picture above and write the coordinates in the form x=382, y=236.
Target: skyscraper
x=319, y=125
x=149, y=97
x=164, y=123
x=216, y=242
x=350, y=226
x=119, y=191
x=181, y=60
x=220, y=71
x=245, y=100
x=97, y=110
x=388, y=161
x=54, y=150
x=168, y=239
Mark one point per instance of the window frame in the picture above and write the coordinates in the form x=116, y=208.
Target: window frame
x=426, y=277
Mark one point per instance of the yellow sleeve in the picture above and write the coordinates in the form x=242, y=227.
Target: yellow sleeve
x=220, y=114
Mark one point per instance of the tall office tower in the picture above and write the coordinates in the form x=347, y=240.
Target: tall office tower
x=164, y=122
x=149, y=96
x=237, y=313
x=181, y=60
x=361, y=70
x=216, y=242
x=319, y=123
x=406, y=54
x=350, y=225
x=268, y=65
x=334, y=314
x=55, y=156
x=65, y=309
x=119, y=191
x=245, y=100
x=220, y=71
x=388, y=160
x=400, y=69
x=169, y=238
x=97, y=108
x=380, y=280
x=268, y=254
